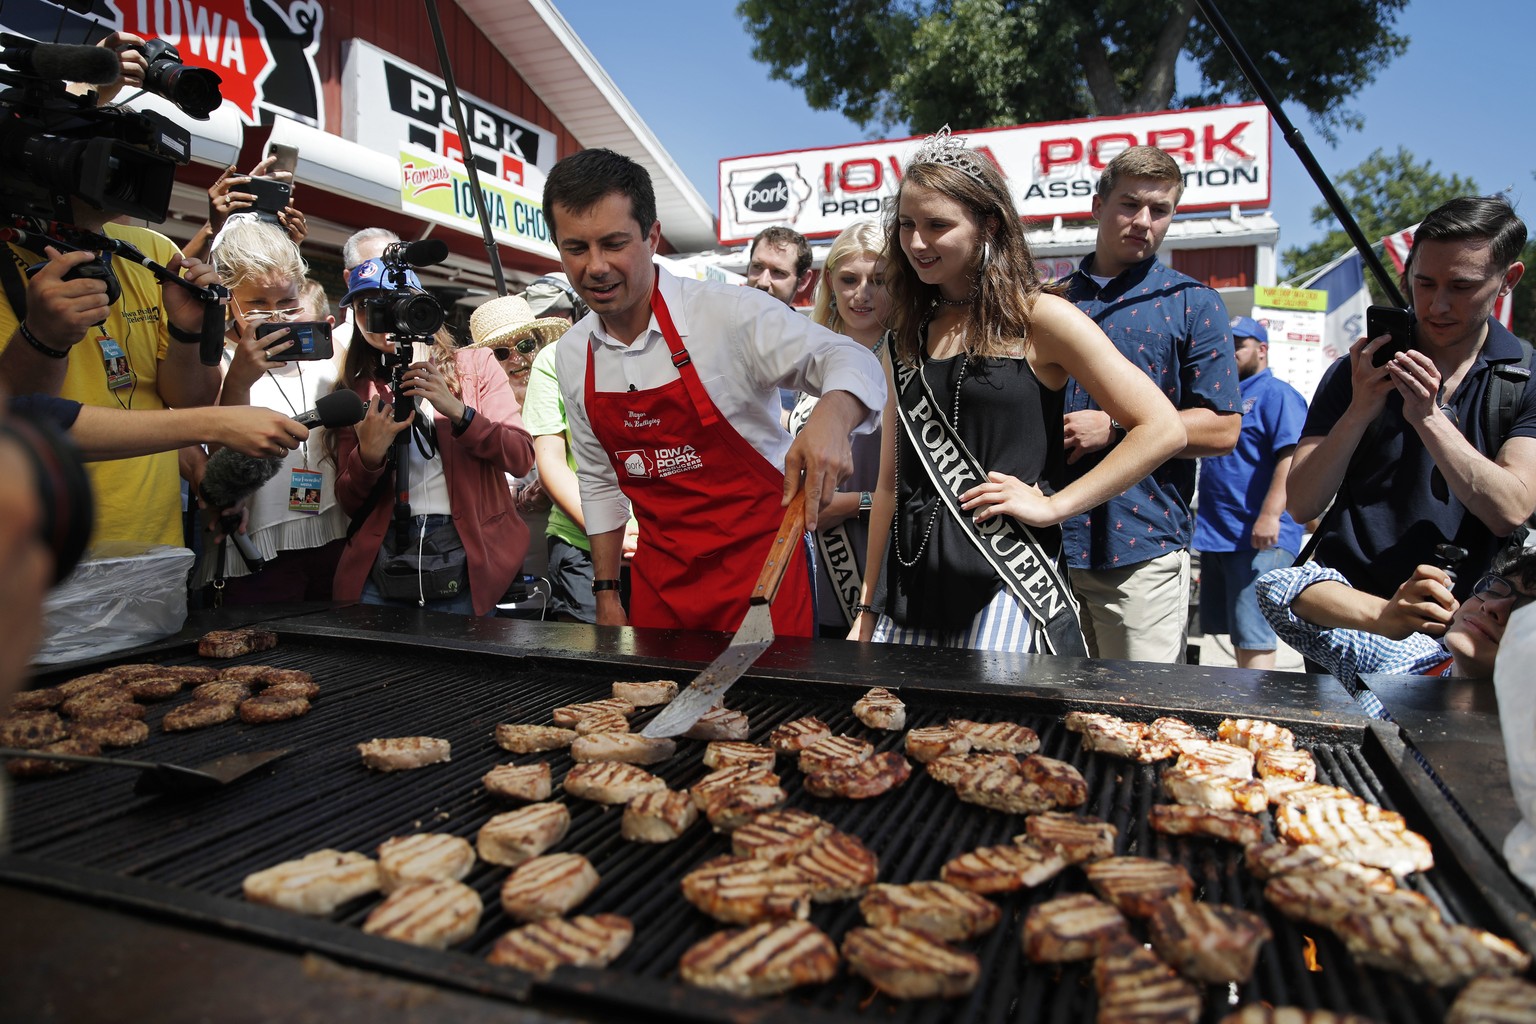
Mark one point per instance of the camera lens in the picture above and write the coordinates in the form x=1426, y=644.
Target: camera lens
x=63, y=489
x=417, y=315
x=194, y=90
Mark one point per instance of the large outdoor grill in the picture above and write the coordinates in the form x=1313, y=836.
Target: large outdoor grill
x=88, y=835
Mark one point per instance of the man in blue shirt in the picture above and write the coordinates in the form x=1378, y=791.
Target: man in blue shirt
x=1242, y=529
x=1130, y=556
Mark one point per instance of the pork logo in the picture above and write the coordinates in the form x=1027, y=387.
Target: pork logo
x=682, y=459
x=637, y=464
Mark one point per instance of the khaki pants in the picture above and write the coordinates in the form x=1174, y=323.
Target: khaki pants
x=1136, y=614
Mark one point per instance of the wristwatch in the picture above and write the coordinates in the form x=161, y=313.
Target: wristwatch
x=600, y=585
x=866, y=501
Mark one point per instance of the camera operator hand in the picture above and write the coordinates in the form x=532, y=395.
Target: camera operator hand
x=423, y=380
x=59, y=312
x=182, y=308
x=1423, y=604
x=252, y=358
x=377, y=432
x=130, y=60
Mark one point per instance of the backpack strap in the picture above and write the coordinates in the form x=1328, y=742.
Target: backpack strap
x=1506, y=386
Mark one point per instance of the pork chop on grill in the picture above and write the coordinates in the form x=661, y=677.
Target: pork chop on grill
x=525, y=782
x=869, y=778
x=645, y=695
x=720, y=723
x=1003, y=868
x=793, y=737
x=570, y=714
x=1208, y=942
x=1327, y=897
x=1138, y=885
x=1217, y=758
x=1107, y=734
x=1270, y=860
x=601, y=722
x=1002, y=789
x=1495, y=1001
x=1075, y=927
x=402, y=753
x=729, y=778
x=423, y=857
x=951, y=768
x=431, y=914
x=1191, y=820
x=946, y=912
x=931, y=742
x=631, y=748
x=264, y=710
x=1214, y=790
x=1275, y=762
x=1063, y=782
x=314, y=884
x=111, y=731
x=731, y=807
x=780, y=836
x=1076, y=839
x=906, y=964
x=538, y=949
x=1429, y=949
x=227, y=691
x=1255, y=734
x=1380, y=843
x=659, y=816
x=997, y=737
x=198, y=714
x=1135, y=986
x=763, y=960
x=834, y=752
x=548, y=886
x=232, y=643
x=609, y=782
x=840, y=867
x=745, y=890
x=533, y=739
x=881, y=709
x=511, y=838
x=729, y=754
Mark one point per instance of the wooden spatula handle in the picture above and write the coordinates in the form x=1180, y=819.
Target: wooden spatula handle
x=786, y=546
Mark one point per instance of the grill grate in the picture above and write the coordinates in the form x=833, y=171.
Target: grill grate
x=320, y=796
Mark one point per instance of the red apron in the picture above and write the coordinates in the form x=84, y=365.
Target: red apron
x=707, y=502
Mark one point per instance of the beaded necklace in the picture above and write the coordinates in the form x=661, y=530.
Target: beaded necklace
x=954, y=420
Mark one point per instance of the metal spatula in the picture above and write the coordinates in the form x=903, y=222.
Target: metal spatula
x=159, y=777
x=753, y=638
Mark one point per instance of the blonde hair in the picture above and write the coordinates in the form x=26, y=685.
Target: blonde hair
x=861, y=238
x=317, y=304
x=248, y=249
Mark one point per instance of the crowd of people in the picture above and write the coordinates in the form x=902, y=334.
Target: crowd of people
x=987, y=459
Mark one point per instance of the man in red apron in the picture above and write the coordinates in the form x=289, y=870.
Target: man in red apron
x=671, y=390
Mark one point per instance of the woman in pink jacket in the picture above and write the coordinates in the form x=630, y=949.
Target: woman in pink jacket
x=464, y=542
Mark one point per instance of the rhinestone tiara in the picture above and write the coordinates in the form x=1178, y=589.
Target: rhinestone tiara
x=951, y=150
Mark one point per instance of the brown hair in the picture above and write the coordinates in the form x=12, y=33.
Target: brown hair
x=364, y=362
x=779, y=236
x=1000, y=307
x=1143, y=162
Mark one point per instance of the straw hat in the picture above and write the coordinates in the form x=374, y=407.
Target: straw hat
x=506, y=320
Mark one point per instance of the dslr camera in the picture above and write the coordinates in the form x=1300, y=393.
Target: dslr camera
x=400, y=310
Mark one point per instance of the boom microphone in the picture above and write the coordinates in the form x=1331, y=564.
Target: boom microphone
x=425, y=252
x=93, y=65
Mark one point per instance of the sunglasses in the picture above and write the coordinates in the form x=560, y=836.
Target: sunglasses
x=523, y=347
x=260, y=316
x=1492, y=586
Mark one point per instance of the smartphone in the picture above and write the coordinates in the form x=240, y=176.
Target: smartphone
x=311, y=340
x=284, y=158
x=272, y=196
x=1381, y=320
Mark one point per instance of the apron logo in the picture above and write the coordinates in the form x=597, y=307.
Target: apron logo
x=683, y=459
x=636, y=463
x=639, y=420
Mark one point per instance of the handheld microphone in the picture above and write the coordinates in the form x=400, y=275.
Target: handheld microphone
x=337, y=409
x=92, y=65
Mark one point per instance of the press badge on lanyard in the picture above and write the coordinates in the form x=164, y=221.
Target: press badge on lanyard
x=304, y=491
x=116, y=363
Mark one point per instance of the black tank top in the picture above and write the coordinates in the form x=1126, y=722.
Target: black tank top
x=1012, y=424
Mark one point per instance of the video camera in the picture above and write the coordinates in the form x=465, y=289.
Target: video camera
x=56, y=146
x=400, y=310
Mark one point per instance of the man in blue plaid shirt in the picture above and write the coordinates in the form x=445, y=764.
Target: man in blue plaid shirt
x=1420, y=630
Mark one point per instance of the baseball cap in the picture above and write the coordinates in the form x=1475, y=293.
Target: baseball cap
x=1247, y=327
x=369, y=276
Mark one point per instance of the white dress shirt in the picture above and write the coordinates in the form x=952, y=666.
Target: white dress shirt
x=745, y=345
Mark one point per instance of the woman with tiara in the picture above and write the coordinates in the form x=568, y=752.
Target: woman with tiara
x=965, y=520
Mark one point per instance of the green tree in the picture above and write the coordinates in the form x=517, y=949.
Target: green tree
x=918, y=64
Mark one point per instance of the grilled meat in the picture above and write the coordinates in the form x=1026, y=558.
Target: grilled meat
x=1270, y=860
x=1255, y=734
x=728, y=754
x=1172, y=735
x=1429, y=949
x=609, y=782
x=744, y=890
x=1280, y=791
x=32, y=730
x=226, y=691
x=156, y=687
x=1259, y=1013
x=1327, y=897
x=869, y=778
x=1379, y=843
x=1003, y=790
x=1276, y=762
x=780, y=836
x=881, y=709
x=423, y=857
x=80, y=684
x=110, y=732
x=315, y=884
x=951, y=768
x=402, y=753
x=1318, y=813
x=938, y=909
x=538, y=949
x=645, y=695
x=720, y=723
x=250, y=675
x=525, y=782
x=910, y=965
x=1191, y=820
x=1003, y=868
x=533, y=739
x=100, y=702
x=232, y=643
x=631, y=748
x=729, y=778
x=731, y=807
x=264, y=710
x=198, y=714
x=1208, y=942
x=834, y=752
x=659, y=816
x=37, y=768
x=764, y=960
x=514, y=837
x=1075, y=927
x=1063, y=782
x=935, y=741
x=431, y=914
x=793, y=737
x=601, y=722
x=840, y=867
x=1076, y=839
x=570, y=714
x=1216, y=791
x=1138, y=885
x=36, y=700
x=997, y=737
x=1106, y=734
x=547, y=886
x=1218, y=759
x=1135, y=986
x=1495, y=1001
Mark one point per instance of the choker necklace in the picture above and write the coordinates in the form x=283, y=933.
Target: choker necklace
x=958, y=302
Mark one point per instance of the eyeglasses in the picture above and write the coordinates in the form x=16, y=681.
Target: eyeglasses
x=259, y=316
x=524, y=347
x=1492, y=586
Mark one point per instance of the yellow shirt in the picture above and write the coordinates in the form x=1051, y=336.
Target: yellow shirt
x=137, y=499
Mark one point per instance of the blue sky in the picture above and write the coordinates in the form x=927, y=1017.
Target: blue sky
x=1458, y=98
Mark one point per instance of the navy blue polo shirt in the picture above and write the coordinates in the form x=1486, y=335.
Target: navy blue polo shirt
x=1176, y=330
x=61, y=412
x=1233, y=486
x=1393, y=509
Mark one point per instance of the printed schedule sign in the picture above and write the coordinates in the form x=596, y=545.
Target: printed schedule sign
x=1294, y=319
